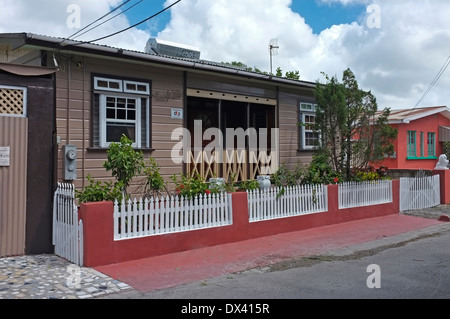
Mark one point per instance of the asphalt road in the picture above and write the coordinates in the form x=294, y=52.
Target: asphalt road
x=415, y=265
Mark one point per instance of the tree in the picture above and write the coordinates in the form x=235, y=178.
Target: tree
x=353, y=132
x=293, y=75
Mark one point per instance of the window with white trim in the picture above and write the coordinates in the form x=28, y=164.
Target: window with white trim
x=121, y=107
x=309, y=137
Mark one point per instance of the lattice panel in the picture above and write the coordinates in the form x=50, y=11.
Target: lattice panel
x=11, y=101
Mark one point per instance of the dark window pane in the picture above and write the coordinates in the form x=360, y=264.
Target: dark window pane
x=110, y=113
x=114, y=85
x=103, y=84
x=131, y=115
x=114, y=132
x=131, y=104
x=121, y=103
x=131, y=87
x=142, y=88
x=121, y=114
x=110, y=102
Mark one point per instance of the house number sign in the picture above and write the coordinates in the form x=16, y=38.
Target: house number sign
x=177, y=114
x=4, y=156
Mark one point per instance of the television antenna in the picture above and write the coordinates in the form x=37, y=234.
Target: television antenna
x=273, y=49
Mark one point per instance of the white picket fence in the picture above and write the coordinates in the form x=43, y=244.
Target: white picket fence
x=67, y=234
x=165, y=215
x=295, y=201
x=419, y=193
x=357, y=194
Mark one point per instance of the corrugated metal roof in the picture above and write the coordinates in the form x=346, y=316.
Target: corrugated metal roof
x=408, y=115
x=62, y=44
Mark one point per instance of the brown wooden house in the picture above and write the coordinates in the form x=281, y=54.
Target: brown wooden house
x=100, y=92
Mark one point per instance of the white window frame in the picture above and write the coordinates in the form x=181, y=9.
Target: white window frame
x=311, y=107
x=304, y=131
x=25, y=100
x=104, y=120
x=306, y=109
x=147, y=86
x=123, y=92
x=101, y=88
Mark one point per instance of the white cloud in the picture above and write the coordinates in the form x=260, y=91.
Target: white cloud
x=397, y=61
x=49, y=17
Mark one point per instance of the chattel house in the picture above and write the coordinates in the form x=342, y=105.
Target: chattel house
x=63, y=102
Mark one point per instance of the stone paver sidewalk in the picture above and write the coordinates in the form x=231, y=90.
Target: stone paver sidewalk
x=52, y=277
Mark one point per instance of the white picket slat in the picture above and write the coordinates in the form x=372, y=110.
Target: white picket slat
x=419, y=193
x=357, y=194
x=67, y=234
x=296, y=201
x=165, y=215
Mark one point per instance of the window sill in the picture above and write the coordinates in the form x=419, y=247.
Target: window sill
x=102, y=149
x=421, y=158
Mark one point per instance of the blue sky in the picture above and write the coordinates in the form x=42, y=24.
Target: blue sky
x=318, y=16
x=322, y=16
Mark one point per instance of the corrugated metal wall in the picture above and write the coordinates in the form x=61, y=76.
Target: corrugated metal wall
x=13, y=186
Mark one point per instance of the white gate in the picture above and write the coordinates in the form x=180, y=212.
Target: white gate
x=419, y=193
x=67, y=228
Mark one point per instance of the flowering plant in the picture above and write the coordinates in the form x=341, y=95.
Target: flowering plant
x=191, y=186
x=370, y=174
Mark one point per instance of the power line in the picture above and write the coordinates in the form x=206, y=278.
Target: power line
x=433, y=83
x=105, y=15
x=131, y=27
x=122, y=12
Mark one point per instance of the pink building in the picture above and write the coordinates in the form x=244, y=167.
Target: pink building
x=422, y=133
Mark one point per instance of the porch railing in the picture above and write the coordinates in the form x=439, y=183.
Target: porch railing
x=242, y=164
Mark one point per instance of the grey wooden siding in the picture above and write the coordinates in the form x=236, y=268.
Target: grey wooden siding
x=74, y=111
x=289, y=130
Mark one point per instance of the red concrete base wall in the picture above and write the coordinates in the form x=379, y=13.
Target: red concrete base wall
x=101, y=249
x=444, y=176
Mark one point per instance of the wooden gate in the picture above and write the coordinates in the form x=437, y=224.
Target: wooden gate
x=419, y=193
x=13, y=184
x=67, y=227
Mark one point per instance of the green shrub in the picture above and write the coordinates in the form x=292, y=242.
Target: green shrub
x=285, y=177
x=124, y=162
x=320, y=172
x=190, y=187
x=248, y=185
x=370, y=174
x=99, y=192
x=153, y=183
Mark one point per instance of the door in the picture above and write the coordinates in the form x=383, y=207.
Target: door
x=13, y=171
x=27, y=126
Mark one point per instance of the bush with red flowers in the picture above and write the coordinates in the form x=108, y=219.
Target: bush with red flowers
x=190, y=187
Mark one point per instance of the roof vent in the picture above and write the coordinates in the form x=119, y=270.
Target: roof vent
x=163, y=47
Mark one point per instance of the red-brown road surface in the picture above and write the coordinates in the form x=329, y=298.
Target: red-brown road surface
x=180, y=268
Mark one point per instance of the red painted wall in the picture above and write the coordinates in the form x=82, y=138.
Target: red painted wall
x=426, y=125
x=101, y=249
x=444, y=177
